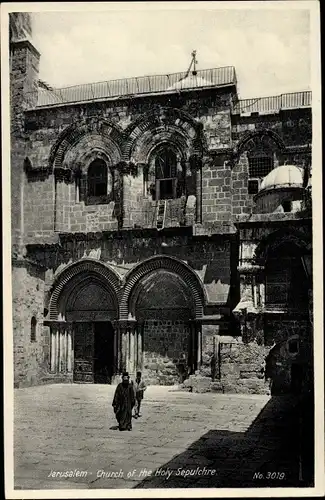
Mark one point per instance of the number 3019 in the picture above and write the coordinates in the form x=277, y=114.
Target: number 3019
x=275, y=475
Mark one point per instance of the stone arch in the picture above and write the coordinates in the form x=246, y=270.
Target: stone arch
x=162, y=125
x=93, y=134
x=173, y=293
x=171, y=264
x=64, y=282
x=277, y=238
x=253, y=139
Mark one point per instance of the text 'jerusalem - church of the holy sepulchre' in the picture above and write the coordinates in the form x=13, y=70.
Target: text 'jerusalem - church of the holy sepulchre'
x=159, y=224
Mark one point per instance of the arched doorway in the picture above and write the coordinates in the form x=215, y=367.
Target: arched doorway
x=83, y=337
x=166, y=304
x=286, y=322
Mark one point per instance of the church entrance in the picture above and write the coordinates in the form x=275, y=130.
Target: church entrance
x=104, y=355
x=94, y=352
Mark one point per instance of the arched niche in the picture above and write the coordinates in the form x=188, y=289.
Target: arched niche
x=167, y=264
x=78, y=139
x=162, y=295
x=71, y=283
x=165, y=172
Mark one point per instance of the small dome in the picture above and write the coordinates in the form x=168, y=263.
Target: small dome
x=283, y=176
x=191, y=82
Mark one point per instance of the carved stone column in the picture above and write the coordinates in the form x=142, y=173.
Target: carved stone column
x=198, y=345
x=139, y=360
x=62, y=198
x=128, y=344
x=132, y=350
x=53, y=350
x=57, y=350
x=198, y=191
x=70, y=352
x=249, y=309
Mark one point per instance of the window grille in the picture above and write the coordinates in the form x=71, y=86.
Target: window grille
x=33, y=324
x=286, y=283
x=260, y=166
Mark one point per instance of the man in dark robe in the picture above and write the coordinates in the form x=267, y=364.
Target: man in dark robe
x=123, y=402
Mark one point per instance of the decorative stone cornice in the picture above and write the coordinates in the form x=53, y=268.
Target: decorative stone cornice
x=37, y=171
x=245, y=308
x=249, y=268
x=63, y=174
x=26, y=262
x=128, y=168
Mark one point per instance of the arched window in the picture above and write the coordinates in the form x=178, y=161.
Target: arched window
x=260, y=153
x=97, y=179
x=286, y=279
x=166, y=174
x=33, y=324
x=260, y=164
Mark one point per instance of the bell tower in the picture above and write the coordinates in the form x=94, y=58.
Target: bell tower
x=24, y=71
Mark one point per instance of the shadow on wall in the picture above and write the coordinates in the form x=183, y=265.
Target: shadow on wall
x=277, y=450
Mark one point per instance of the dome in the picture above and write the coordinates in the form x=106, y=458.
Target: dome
x=282, y=177
x=189, y=82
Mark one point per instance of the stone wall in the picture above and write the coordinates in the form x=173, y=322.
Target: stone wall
x=292, y=126
x=279, y=329
x=43, y=127
x=241, y=367
x=30, y=357
x=165, y=346
x=24, y=61
x=210, y=260
x=39, y=201
x=216, y=190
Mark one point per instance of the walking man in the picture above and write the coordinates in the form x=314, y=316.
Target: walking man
x=139, y=387
x=123, y=402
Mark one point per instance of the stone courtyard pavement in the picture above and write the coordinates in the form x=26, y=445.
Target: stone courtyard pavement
x=64, y=427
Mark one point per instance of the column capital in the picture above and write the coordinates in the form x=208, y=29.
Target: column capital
x=248, y=268
x=58, y=324
x=126, y=323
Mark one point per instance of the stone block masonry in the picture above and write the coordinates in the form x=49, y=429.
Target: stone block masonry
x=165, y=347
x=30, y=353
x=241, y=367
x=63, y=213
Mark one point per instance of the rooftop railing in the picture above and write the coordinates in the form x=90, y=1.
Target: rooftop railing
x=273, y=103
x=115, y=89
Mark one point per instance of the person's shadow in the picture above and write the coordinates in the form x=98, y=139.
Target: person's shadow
x=114, y=428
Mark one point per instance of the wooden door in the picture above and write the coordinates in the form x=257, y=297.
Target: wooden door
x=83, y=352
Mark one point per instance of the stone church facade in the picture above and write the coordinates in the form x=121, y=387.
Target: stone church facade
x=158, y=224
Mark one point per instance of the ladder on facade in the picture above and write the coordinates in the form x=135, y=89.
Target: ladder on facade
x=161, y=214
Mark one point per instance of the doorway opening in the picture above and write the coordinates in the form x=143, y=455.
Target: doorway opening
x=104, y=354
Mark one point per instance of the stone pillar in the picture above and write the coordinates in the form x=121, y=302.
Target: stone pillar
x=62, y=349
x=139, y=348
x=127, y=345
x=127, y=201
x=199, y=346
x=116, y=350
x=132, y=350
x=198, y=192
x=249, y=309
x=125, y=348
x=57, y=349
x=24, y=75
x=62, y=199
x=69, y=353
x=53, y=350
x=65, y=350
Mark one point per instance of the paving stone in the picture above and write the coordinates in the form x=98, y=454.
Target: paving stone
x=166, y=438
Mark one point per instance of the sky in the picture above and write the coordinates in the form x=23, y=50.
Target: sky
x=269, y=48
